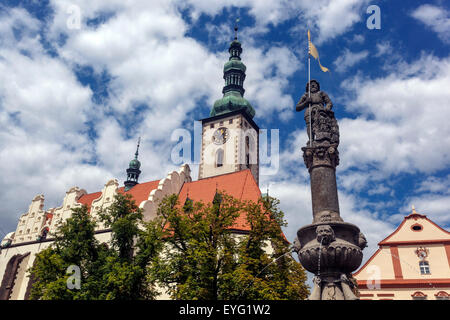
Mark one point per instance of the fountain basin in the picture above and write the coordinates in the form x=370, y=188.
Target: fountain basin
x=340, y=251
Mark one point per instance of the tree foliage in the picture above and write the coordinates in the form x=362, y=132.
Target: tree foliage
x=191, y=251
x=74, y=244
x=204, y=259
x=116, y=272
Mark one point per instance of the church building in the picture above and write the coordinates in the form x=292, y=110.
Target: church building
x=229, y=162
x=412, y=263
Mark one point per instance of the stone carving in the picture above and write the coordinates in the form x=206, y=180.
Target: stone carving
x=325, y=235
x=317, y=289
x=340, y=288
x=328, y=216
x=362, y=241
x=296, y=246
x=329, y=247
x=323, y=154
x=347, y=288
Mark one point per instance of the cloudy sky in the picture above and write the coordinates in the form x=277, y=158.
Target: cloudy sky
x=80, y=81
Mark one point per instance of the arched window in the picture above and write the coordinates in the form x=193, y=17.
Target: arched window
x=13, y=276
x=247, y=151
x=424, y=267
x=219, y=158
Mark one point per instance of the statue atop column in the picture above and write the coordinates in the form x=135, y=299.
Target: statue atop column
x=329, y=247
x=320, y=121
x=318, y=107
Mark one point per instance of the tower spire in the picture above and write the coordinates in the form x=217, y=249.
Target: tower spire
x=234, y=76
x=137, y=149
x=133, y=171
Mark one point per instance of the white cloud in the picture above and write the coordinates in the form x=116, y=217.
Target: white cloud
x=327, y=16
x=324, y=16
x=358, y=38
x=348, y=59
x=144, y=49
x=402, y=125
x=267, y=78
x=383, y=48
x=436, y=207
x=436, y=18
x=435, y=185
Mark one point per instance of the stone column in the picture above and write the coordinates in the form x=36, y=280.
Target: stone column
x=329, y=247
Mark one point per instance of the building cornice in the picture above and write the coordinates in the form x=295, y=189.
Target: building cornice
x=407, y=283
x=46, y=240
x=232, y=113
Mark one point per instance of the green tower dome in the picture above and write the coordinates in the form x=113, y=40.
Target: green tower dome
x=233, y=91
x=234, y=64
x=135, y=164
x=232, y=101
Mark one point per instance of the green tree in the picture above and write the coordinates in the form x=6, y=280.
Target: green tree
x=135, y=244
x=120, y=271
x=74, y=244
x=204, y=259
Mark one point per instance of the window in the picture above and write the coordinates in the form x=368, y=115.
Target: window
x=247, y=151
x=424, y=267
x=231, y=121
x=219, y=158
x=211, y=125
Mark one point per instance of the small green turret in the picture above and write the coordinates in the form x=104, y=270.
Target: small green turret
x=133, y=171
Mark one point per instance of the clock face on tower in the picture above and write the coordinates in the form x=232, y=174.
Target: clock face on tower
x=220, y=136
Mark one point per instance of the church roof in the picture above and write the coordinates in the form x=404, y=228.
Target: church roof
x=240, y=185
x=139, y=192
x=87, y=199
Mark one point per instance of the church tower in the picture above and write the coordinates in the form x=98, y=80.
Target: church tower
x=230, y=137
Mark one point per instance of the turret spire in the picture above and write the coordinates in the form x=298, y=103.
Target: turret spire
x=133, y=171
x=137, y=149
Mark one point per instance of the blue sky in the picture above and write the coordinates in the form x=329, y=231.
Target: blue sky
x=74, y=98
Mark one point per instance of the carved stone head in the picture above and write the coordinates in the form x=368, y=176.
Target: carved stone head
x=325, y=234
x=362, y=241
x=296, y=245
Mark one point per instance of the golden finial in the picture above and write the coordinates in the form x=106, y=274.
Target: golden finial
x=413, y=209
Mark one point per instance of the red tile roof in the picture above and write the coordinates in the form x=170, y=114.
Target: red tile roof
x=87, y=199
x=241, y=185
x=140, y=192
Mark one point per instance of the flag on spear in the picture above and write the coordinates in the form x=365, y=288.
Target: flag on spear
x=313, y=51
